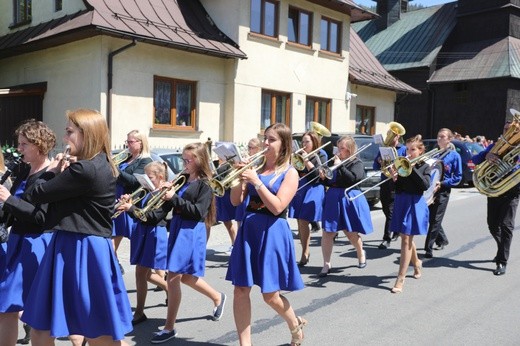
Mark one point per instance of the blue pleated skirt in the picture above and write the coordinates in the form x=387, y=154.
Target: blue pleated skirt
x=79, y=289
x=24, y=254
x=148, y=246
x=187, y=247
x=263, y=255
x=410, y=214
x=225, y=210
x=307, y=204
x=3, y=255
x=123, y=226
x=339, y=213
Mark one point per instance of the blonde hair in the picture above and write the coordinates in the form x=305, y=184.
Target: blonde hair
x=143, y=138
x=157, y=168
x=96, y=138
x=202, y=159
x=349, y=142
x=448, y=131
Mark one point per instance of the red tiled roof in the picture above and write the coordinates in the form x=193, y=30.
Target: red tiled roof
x=181, y=24
x=365, y=69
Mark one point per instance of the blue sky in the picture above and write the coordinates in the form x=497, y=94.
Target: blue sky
x=415, y=2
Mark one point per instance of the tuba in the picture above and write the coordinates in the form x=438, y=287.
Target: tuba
x=120, y=157
x=395, y=130
x=494, y=179
x=319, y=129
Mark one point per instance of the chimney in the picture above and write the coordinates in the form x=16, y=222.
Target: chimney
x=390, y=12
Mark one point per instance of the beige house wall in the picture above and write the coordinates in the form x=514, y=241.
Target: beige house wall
x=382, y=100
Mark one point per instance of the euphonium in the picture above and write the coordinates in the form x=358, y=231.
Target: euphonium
x=494, y=179
x=395, y=129
x=298, y=160
x=135, y=197
x=157, y=200
x=319, y=129
x=257, y=161
x=120, y=157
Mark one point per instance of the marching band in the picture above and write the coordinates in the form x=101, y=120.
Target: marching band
x=67, y=215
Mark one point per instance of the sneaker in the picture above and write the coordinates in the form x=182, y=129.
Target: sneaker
x=218, y=311
x=163, y=336
x=315, y=227
x=384, y=245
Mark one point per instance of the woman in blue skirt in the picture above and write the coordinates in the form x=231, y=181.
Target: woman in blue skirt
x=78, y=288
x=341, y=213
x=193, y=207
x=307, y=204
x=411, y=213
x=27, y=244
x=263, y=254
x=139, y=156
x=148, y=243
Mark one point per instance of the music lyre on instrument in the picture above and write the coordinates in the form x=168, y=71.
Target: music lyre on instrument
x=437, y=171
x=256, y=162
x=157, y=201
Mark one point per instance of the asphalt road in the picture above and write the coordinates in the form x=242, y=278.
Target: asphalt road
x=458, y=300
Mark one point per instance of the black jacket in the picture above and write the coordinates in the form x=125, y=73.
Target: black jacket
x=193, y=205
x=27, y=217
x=417, y=182
x=348, y=174
x=126, y=176
x=81, y=198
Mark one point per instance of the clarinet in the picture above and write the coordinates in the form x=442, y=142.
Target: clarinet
x=4, y=231
x=10, y=168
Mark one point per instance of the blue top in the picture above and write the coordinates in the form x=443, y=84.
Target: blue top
x=480, y=157
x=452, y=169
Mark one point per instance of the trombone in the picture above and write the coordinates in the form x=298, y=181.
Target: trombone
x=120, y=157
x=256, y=161
x=157, y=201
x=298, y=160
x=327, y=171
x=135, y=197
x=402, y=165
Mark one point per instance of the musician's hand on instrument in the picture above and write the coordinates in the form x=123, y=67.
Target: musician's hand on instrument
x=125, y=206
x=4, y=193
x=249, y=176
x=437, y=187
x=337, y=160
x=492, y=158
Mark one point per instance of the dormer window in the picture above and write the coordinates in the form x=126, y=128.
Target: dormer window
x=22, y=11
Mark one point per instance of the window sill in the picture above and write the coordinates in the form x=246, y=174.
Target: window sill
x=330, y=55
x=253, y=36
x=175, y=132
x=19, y=24
x=299, y=47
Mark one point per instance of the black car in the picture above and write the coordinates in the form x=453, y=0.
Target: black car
x=466, y=151
x=367, y=156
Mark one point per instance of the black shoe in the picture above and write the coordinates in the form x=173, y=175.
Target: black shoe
x=395, y=236
x=428, y=255
x=501, y=269
x=140, y=319
x=27, y=338
x=315, y=227
x=384, y=245
x=157, y=289
x=441, y=246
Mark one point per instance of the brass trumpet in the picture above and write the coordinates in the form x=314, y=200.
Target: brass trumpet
x=156, y=201
x=120, y=157
x=256, y=161
x=298, y=160
x=135, y=197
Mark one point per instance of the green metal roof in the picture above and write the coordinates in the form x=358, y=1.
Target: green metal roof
x=414, y=40
x=487, y=59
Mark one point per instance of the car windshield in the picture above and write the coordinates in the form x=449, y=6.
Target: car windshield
x=370, y=153
x=474, y=148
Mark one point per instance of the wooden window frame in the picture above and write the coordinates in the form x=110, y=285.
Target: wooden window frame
x=173, y=111
x=21, y=18
x=262, y=31
x=299, y=12
x=339, y=34
x=272, y=116
x=315, y=117
x=364, y=110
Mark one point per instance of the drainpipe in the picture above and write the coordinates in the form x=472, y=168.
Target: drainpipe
x=110, y=78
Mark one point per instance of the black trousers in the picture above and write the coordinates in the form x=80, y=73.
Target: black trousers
x=501, y=212
x=436, y=234
x=387, y=195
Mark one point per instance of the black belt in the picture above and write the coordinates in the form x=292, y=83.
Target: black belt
x=256, y=205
